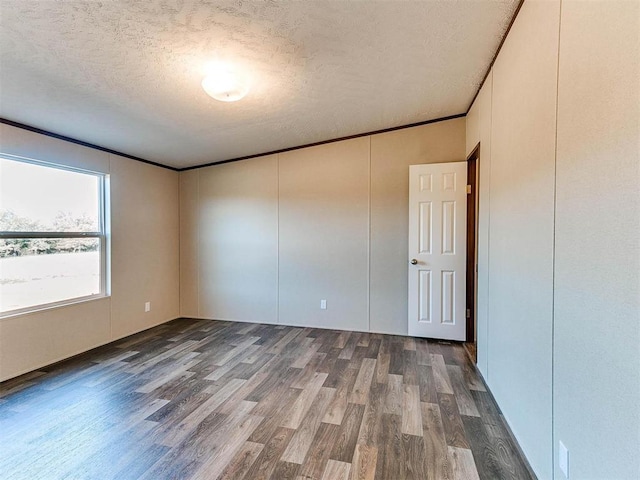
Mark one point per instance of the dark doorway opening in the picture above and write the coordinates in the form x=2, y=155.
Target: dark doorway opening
x=472, y=248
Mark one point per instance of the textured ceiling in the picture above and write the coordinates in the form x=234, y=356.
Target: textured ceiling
x=126, y=75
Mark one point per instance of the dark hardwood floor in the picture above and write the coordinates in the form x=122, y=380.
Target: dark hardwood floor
x=194, y=399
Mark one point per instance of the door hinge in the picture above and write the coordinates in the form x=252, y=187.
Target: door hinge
x=468, y=313
x=468, y=189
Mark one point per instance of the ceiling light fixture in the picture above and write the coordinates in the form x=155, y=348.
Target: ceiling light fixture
x=225, y=83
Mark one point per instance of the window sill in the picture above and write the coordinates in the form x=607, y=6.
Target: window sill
x=52, y=306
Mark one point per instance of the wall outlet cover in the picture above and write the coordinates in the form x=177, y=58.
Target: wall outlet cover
x=147, y=306
x=323, y=304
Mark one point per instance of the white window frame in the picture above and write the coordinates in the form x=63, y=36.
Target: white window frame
x=103, y=236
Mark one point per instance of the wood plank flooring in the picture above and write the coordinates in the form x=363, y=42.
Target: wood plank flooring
x=195, y=399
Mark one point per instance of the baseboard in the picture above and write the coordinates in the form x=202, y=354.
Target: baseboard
x=300, y=325
x=504, y=421
x=64, y=358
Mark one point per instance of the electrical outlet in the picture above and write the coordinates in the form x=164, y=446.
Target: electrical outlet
x=563, y=459
x=323, y=304
x=147, y=306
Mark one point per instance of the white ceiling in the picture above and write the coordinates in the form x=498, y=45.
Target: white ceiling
x=126, y=75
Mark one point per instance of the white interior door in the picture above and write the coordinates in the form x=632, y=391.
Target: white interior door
x=437, y=250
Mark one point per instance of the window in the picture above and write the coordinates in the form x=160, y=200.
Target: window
x=52, y=235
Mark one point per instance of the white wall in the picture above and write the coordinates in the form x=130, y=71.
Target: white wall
x=479, y=131
x=391, y=155
x=189, y=245
x=597, y=250
x=238, y=241
x=560, y=340
x=266, y=239
x=145, y=265
x=521, y=228
x=323, y=228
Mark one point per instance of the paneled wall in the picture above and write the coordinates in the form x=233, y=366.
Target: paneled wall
x=145, y=262
x=264, y=240
x=391, y=155
x=324, y=235
x=521, y=228
x=238, y=238
x=559, y=257
x=479, y=131
x=596, y=342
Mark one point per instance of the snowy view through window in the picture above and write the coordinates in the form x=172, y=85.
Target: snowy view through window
x=51, y=234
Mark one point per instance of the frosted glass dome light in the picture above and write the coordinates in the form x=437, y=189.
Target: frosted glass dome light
x=225, y=84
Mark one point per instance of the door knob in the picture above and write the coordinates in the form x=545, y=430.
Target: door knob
x=414, y=261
